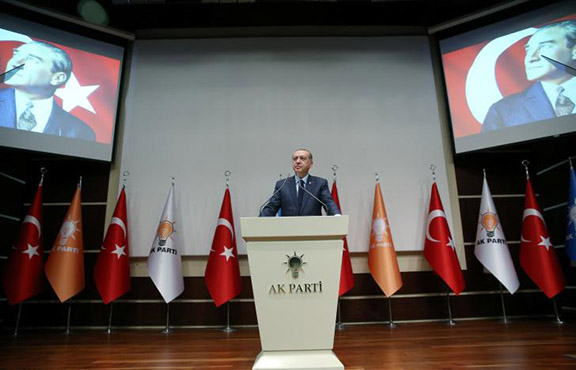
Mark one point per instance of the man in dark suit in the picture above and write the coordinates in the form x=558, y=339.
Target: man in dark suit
x=302, y=194
x=29, y=105
x=554, y=93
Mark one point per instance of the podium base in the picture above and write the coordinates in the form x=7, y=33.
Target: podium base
x=300, y=360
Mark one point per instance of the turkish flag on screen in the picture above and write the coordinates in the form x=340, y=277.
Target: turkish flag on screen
x=91, y=93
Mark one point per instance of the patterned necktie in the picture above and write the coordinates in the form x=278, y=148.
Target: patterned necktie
x=564, y=106
x=27, y=121
x=300, y=193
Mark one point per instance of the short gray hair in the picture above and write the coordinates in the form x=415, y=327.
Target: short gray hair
x=61, y=61
x=569, y=28
x=305, y=150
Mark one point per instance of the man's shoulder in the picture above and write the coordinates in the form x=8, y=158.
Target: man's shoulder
x=7, y=94
x=70, y=125
x=520, y=97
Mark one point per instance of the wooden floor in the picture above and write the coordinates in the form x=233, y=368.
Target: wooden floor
x=521, y=344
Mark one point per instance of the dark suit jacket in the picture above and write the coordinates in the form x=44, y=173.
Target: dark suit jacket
x=60, y=122
x=286, y=199
x=528, y=106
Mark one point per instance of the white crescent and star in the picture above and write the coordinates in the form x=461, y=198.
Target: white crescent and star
x=119, y=251
x=31, y=251
x=431, y=216
x=531, y=212
x=481, y=86
x=224, y=222
x=34, y=221
x=228, y=253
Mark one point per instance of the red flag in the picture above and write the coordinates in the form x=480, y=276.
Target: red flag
x=65, y=265
x=346, y=273
x=439, y=248
x=112, y=270
x=222, y=271
x=23, y=274
x=537, y=255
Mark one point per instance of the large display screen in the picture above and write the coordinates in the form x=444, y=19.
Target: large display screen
x=59, y=92
x=501, y=87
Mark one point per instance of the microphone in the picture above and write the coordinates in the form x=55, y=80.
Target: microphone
x=10, y=73
x=272, y=196
x=309, y=193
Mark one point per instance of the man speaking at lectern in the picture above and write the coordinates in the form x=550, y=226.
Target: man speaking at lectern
x=302, y=194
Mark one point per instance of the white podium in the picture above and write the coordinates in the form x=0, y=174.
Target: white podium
x=295, y=270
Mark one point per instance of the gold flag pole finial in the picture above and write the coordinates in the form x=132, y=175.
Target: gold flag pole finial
x=433, y=170
x=80, y=182
x=570, y=161
x=173, y=181
x=377, y=177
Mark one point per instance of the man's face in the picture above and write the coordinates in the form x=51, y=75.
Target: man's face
x=552, y=43
x=301, y=162
x=37, y=71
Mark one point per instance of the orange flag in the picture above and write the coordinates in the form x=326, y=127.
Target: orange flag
x=382, y=256
x=65, y=265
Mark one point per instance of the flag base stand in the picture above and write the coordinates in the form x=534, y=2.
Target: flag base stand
x=228, y=328
x=18, y=320
x=272, y=360
x=68, y=321
x=167, y=329
x=339, y=324
x=450, y=321
x=391, y=324
x=504, y=317
x=558, y=319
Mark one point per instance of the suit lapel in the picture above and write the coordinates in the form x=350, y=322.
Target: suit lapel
x=537, y=103
x=309, y=187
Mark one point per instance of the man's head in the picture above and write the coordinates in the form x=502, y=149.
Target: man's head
x=556, y=41
x=46, y=68
x=302, y=162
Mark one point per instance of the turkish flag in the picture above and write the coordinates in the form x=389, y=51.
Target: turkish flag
x=346, y=273
x=537, y=255
x=112, y=270
x=439, y=247
x=222, y=271
x=65, y=265
x=23, y=275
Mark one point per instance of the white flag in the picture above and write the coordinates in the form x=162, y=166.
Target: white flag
x=164, y=260
x=491, y=246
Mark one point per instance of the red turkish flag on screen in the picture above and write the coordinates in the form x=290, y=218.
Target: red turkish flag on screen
x=23, y=275
x=112, y=270
x=537, y=255
x=439, y=248
x=222, y=271
x=346, y=273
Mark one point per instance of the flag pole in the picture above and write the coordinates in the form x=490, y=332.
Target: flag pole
x=391, y=322
x=68, y=320
x=558, y=319
x=18, y=319
x=450, y=321
x=228, y=328
x=167, y=329
x=505, y=318
x=339, y=325
x=109, y=330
